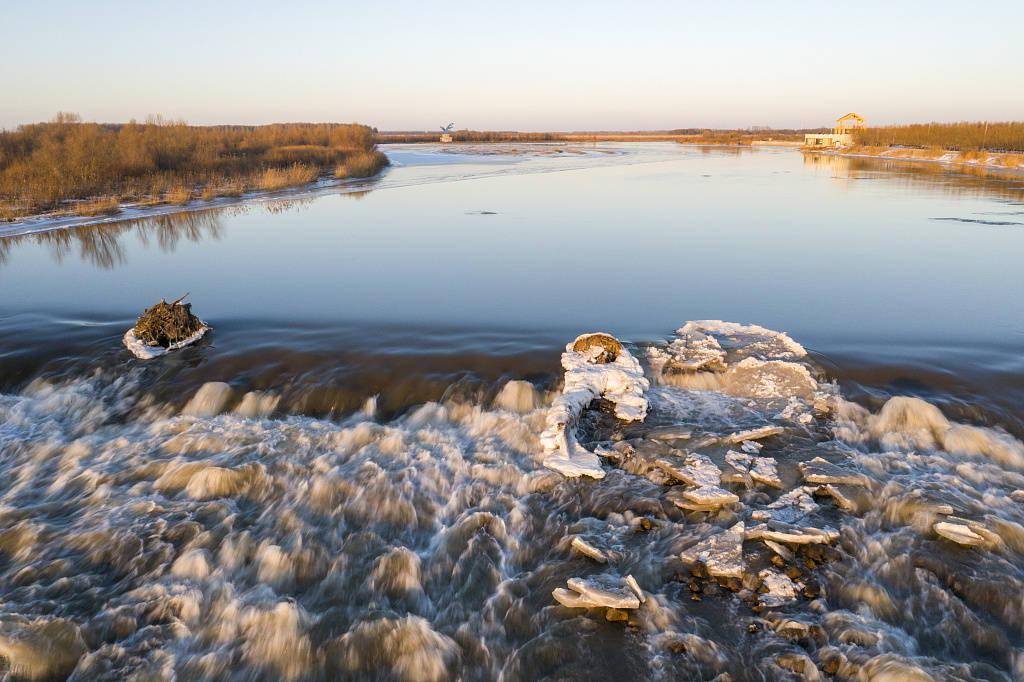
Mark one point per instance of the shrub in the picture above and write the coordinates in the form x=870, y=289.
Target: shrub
x=362, y=165
x=103, y=206
x=279, y=178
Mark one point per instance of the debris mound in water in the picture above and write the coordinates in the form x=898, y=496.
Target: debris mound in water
x=163, y=327
x=167, y=323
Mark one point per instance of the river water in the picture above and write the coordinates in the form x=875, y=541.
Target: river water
x=340, y=483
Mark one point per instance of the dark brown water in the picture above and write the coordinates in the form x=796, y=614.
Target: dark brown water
x=361, y=502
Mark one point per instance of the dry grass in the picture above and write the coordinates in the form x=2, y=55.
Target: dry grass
x=180, y=194
x=362, y=165
x=964, y=136
x=94, y=207
x=279, y=178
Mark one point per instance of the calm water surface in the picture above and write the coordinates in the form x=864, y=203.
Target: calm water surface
x=362, y=502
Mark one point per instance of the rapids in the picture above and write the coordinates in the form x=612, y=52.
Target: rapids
x=230, y=534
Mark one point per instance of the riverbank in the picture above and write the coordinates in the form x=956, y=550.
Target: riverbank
x=974, y=159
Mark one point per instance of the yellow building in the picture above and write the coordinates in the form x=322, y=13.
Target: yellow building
x=841, y=135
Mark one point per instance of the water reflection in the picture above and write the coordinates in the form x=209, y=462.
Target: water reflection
x=101, y=245
x=960, y=181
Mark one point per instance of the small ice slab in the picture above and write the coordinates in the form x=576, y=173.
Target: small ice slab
x=781, y=550
x=842, y=496
x=781, y=590
x=676, y=497
x=580, y=463
x=709, y=495
x=696, y=470
x=635, y=586
x=794, y=535
x=959, y=533
x=821, y=471
x=754, y=434
x=669, y=433
x=721, y=554
x=760, y=469
x=598, y=590
x=146, y=352
x=588, y=550
x=789, y=508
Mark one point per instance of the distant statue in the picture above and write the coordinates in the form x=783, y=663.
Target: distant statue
x=446, y=132
x=448, y=128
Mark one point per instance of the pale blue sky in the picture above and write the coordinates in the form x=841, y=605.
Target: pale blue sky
x=520, y=65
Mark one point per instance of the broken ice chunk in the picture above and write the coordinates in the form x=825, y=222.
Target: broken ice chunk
x=635, y=586
x=591, y=372
x=791, y=507
x=754, y=434
x=588, y=550
x=765, y=471
x=821, y=471
x=781, y=550
x=968, y=533
x=760, y=469
x=780, y=589
x=598, y=590
x=694, y=469
x=794, y=535
x=721, y=554
x=691, y=351
x=709, y=495
x=958, y=533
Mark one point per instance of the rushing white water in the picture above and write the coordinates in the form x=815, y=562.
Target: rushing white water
x=222, y=541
